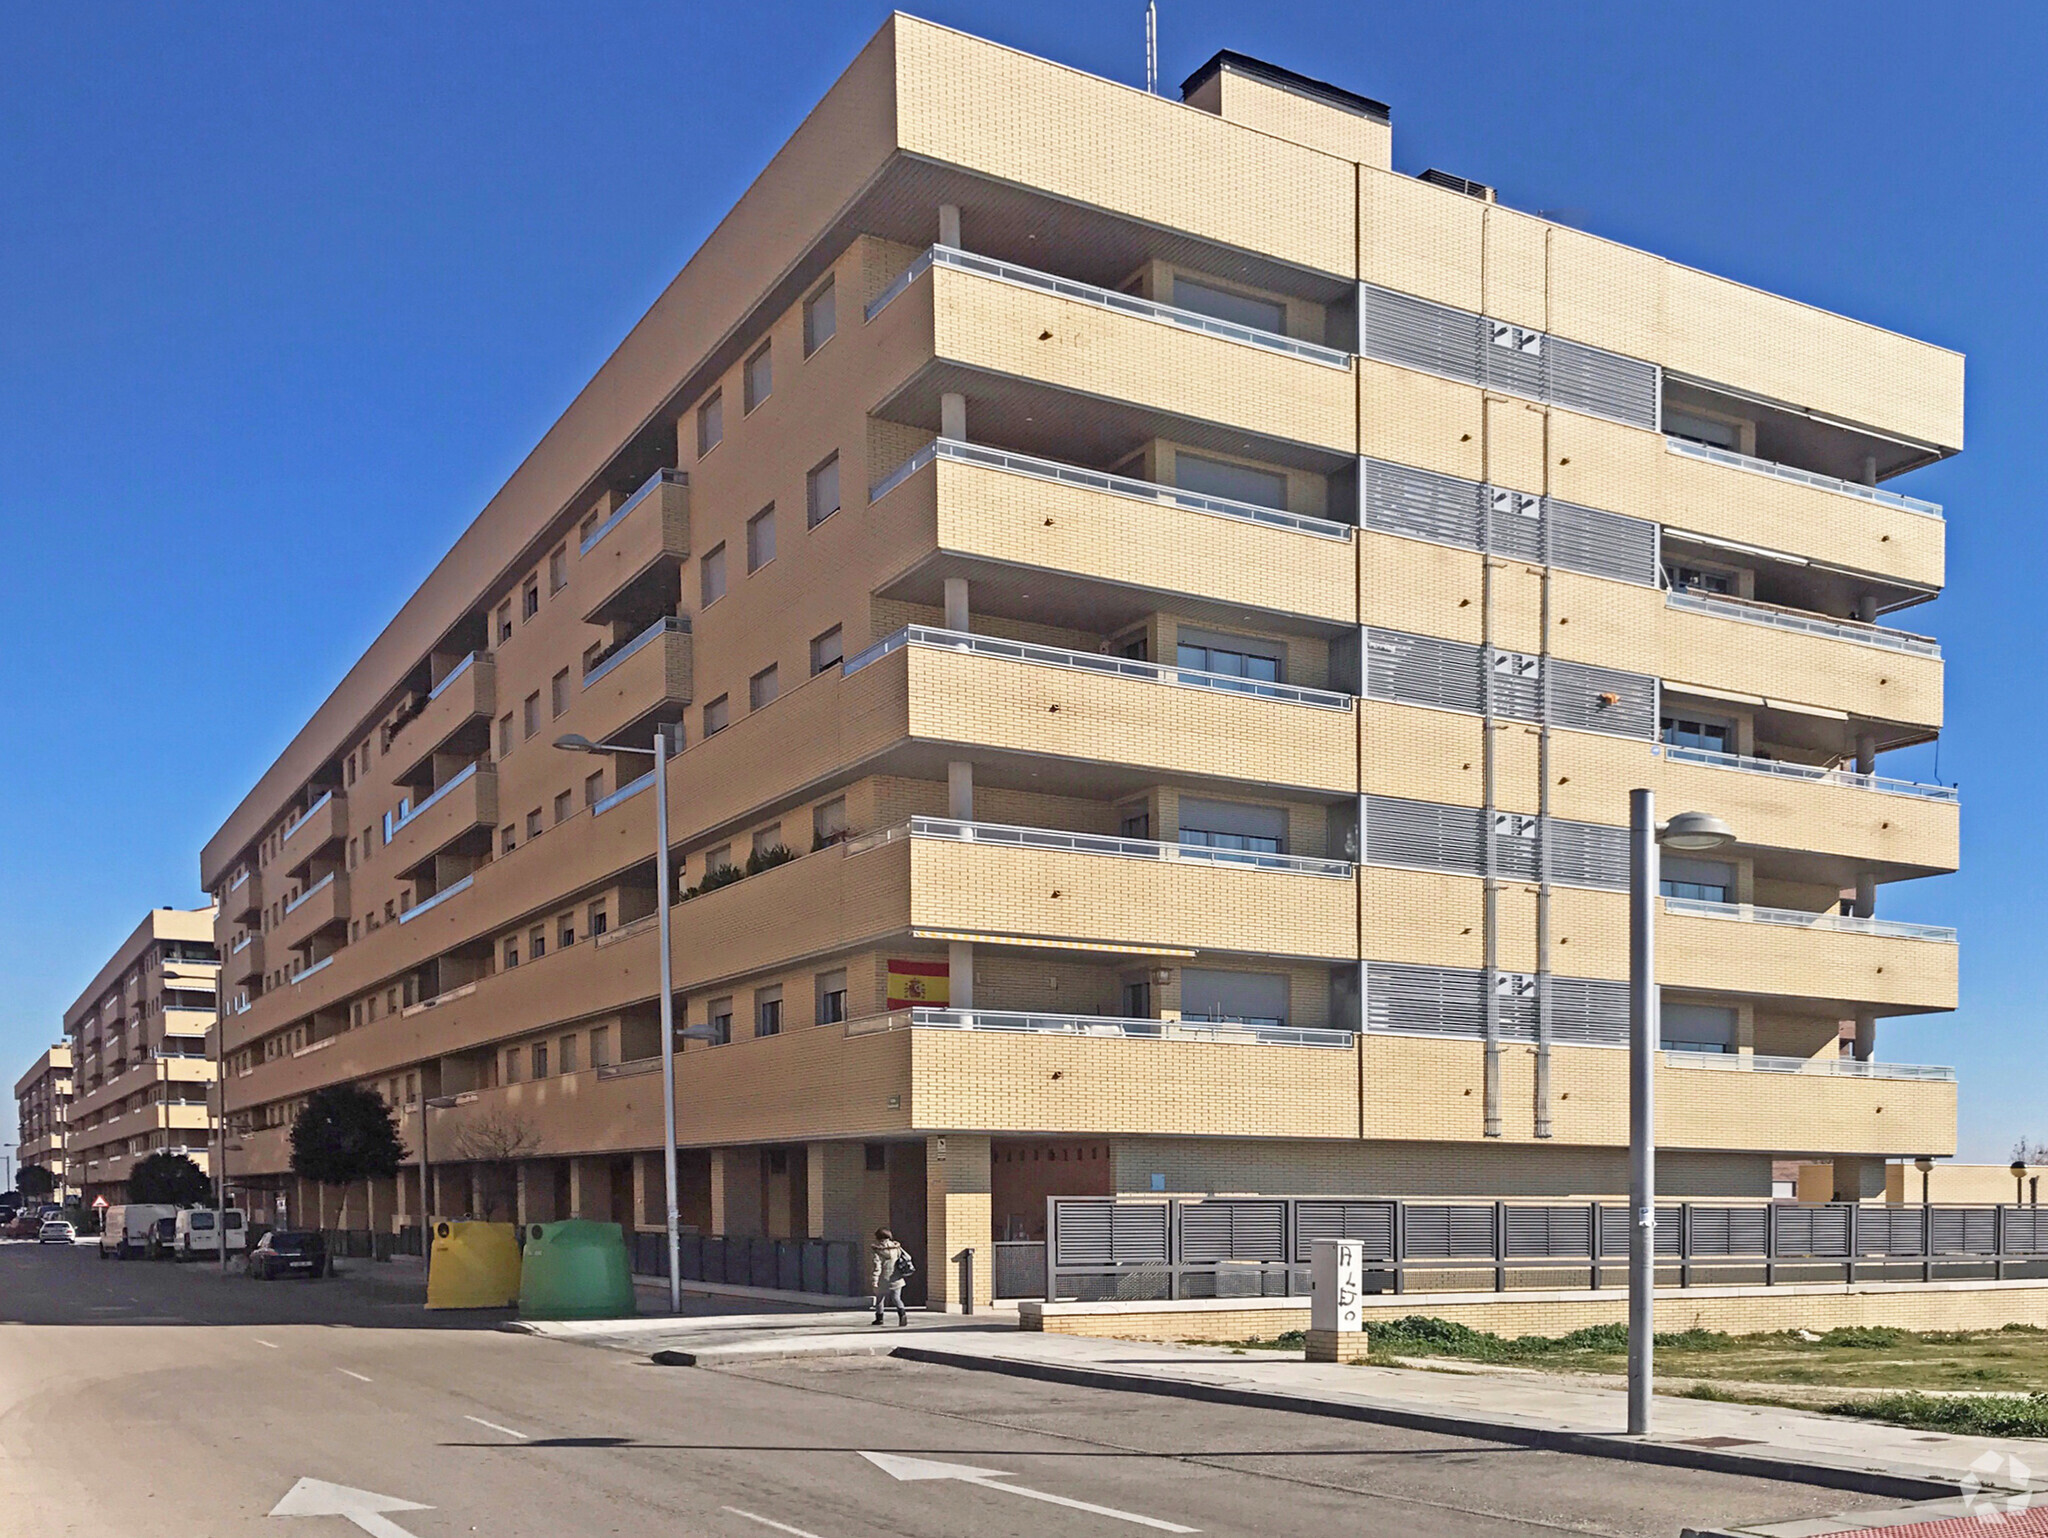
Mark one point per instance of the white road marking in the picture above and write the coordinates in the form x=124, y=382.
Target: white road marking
x=364, y=1508
x=897, y=1467
x=780, y=1527
x=496, y=1427
x=356, y=1375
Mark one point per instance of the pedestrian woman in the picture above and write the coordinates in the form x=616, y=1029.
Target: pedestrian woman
x=892, y=1267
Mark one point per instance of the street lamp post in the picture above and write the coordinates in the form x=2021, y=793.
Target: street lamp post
x=577, y=743
x=1688, y=831
x=438, y=1103
x=1925, y=1166
x=2019, y=1182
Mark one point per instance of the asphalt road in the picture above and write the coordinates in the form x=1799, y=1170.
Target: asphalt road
x=138, y=1400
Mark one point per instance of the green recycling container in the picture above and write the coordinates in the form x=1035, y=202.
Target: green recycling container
x=575, y=1269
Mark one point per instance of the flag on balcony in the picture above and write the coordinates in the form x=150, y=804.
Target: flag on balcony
x=915, y=983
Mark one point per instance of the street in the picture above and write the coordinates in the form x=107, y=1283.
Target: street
x=140, y=1399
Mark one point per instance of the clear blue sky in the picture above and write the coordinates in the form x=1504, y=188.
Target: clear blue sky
x=286, y=292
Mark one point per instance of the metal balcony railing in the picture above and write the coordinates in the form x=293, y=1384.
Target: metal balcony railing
x=659, y=478
x=1101, y=480
x=1096, y=843
x=1799, y=918
x=453, y=673
x=1721, y=606
x=1092, y=662
x=429, y=904
x=311, y=892
x=668, y=624
x=319, y=966
x=455, y=781
x=304, y=817
x=1826, y=1067
x=1103, y=298
x=1813, y=772
x=1109, y=1026
x=625, y=792
x=1735, y=461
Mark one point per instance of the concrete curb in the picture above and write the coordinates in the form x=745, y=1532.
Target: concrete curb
x=771, y=1351
x=1848, y=1521
x=1897, y=1483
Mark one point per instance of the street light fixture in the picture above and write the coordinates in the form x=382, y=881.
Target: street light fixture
x=576, y=742
x=1925, y=1166
x=1692, y=832
x=2019, y=1182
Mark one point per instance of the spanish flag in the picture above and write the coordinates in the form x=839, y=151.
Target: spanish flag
x=913, y=983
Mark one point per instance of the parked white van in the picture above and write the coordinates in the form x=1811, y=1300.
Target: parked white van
x=195, y=1235
x=125, y=1231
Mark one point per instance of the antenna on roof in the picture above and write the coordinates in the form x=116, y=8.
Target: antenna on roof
x=1152, y=47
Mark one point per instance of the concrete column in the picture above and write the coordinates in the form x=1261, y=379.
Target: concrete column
x=1866, y=608
x=960, y=789
x=957, y=1219
x=1866, y=1037
x=837, y=1173
x=960, y=970
x=953, y=416
x=1866, y=753
x=522, y=1208
x=1866, y=894
x=590, y=1189
x=647, y=1177
x=1869, y=464
x=736, y=1192
x=956, y=604
x=949, y=225
x=1858, y=1180
x=476, y=1190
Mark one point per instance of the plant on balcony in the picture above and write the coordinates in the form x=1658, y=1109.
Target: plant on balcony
x=769, y=858
x=36, y=1183
x=725, y=875
x=171, y=1178
x=343, y=1135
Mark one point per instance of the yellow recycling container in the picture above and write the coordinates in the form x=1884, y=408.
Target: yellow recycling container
x=474, y=1265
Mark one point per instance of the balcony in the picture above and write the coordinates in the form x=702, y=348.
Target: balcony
x=1826, y=958
x=246, y=959
x=1120, y=1028
x=244, y=903
x=1790, y=473
x=1800, y=622
x=648, y=533
x=1024, y=698
x=321, y=909
x=464, y=808
x=1020, y=511
x=455, y=716
x=638, y=677
x=319, y=828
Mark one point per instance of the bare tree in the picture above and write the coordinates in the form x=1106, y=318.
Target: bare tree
x=496, y=1138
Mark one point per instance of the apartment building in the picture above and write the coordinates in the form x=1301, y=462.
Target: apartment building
x=42, y=1102
x=1158, y=615
x=140, y=1042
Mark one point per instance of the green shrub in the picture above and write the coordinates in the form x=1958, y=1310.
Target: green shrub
x=1866, y=1337
x=1983, y=1415
x=725, y=875
x=769, y=858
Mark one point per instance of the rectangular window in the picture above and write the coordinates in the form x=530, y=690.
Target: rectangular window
x=558, y=569
x=1233, y=482
x=1707, y=881
x=558, y=691
x=593, y=788
x=717, y=859
x=511, y=1065
x=875, y=1157
x=710, y=423
x=711, y=577
x=768, y=838
x=1222, y=304
x=763, y=687
x=508, y=839
x=531, y=713
x=536, y=943
x=721, y=1022
x=505, y=620
x=832, y=996
x=596, y=921
x=717, y=716
x=564, y=806
x=1232, y=825
x=759, y=382
x=600, y=1046
x=565, y=933
x=533, y=823
x=348, y=771
x=828, y=823
x=587, y=528
x=821, y=487
x=540, y=1060
x=827, y=650
x=566, y=1051
x=1235, y=657
x=768, y=1011
x=505, y=736
x=821, y=317
x=529, y=598
x=761, y=538
x=1703, y=732
x=512, y=952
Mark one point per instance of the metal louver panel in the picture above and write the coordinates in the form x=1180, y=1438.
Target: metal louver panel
x=1370, y=1223
x=1547, y=1231
x=1601, y=383
x=1614, y=1230
x=1448, y=1233
x=1592, y=1011
x=1441, y=1001
x=1422, y=670
x=1517, y=845
x=1105, y=1233
x=1965, y=1231
x=1515, y=359
x=2026, y=1231
x=1399, y=328
x=1233, y=1230
x=1603, y=544
x=1514, y=523
x=1813, y=1231
x=1591, y=699
x=1423, y=834
x=1727, y=1230
x=1397, y=499
x=1588, y=854
x=1517, y=679
x=1888, y=1231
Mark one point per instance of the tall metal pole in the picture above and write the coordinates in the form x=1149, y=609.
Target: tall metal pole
x=1642, y=1124
x=426, y=1185
x=668, y=1032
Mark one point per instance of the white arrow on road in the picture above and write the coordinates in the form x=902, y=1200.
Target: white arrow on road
x=318, y=1498
x=930, y=1468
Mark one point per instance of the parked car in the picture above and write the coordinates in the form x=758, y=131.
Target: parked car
x=26, y=1226
x=162, y=1237
x=56, y=1231
x=194, y=1235
x=288, y=1252
x=127, y=1230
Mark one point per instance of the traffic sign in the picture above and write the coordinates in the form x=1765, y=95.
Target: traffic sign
x=99, y=1204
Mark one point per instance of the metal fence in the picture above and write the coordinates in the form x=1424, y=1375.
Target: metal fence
x=827, y=1266
x=1105, y=1248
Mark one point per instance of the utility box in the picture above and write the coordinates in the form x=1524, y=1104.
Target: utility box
x=1336, y=1310
x=473, y=1265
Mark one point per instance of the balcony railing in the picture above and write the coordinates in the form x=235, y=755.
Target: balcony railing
x=1096, y=843
x=668, y=624
x=1813, y=772
x=319, y=966
x=305, y=817
x=1126, y=1028
x=453, y=673
x=243, y=944
x=311, y=892
x=241, y=880
x=1735, y=461
x=1799, y=918
x=1749, y=613
x=413, y=814
x=409, y=914
x=625, y=792
x=1828, y=1067
x=1101, y=480
x=1093, y=662
x=659, y=478
x=1104, y=298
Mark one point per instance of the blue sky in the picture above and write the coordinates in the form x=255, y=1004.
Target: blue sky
x=286, y=293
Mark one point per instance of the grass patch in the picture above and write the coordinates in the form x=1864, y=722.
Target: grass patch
x=1979, y=1415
